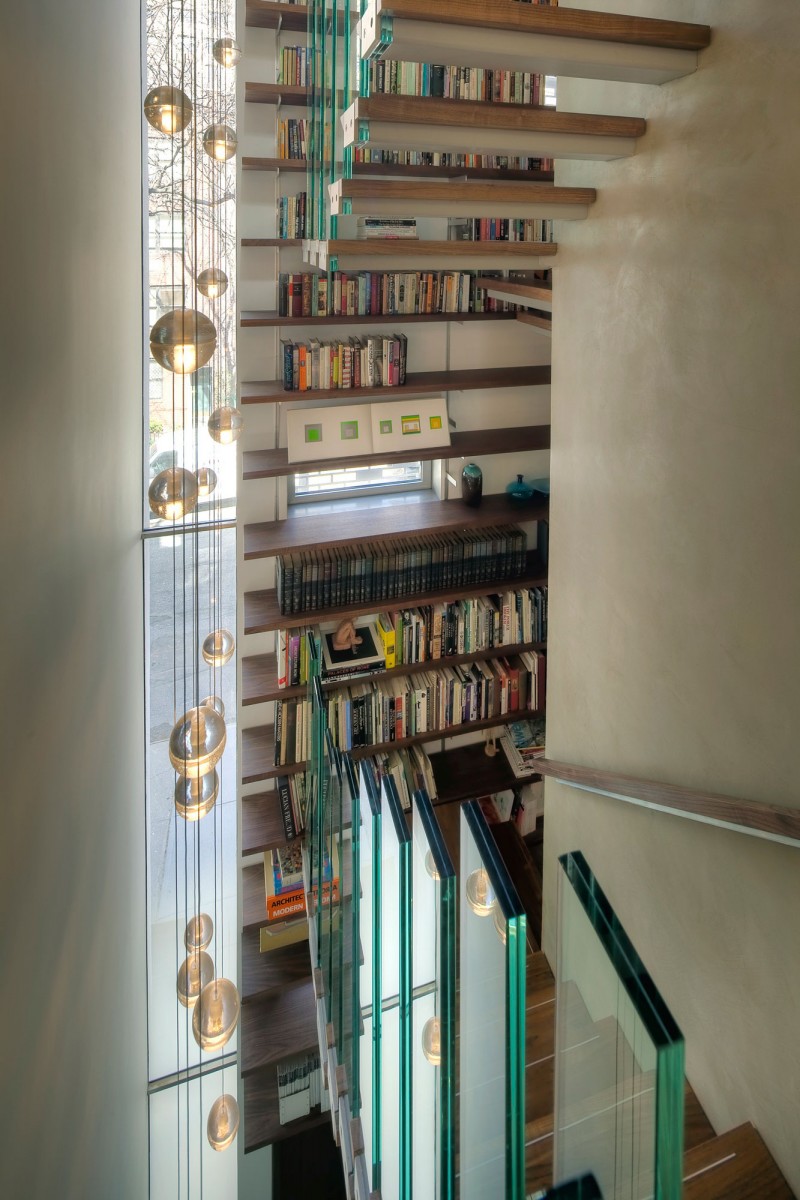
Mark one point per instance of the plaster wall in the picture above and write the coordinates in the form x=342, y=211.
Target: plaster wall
x=675, y=572
x=73, y=1056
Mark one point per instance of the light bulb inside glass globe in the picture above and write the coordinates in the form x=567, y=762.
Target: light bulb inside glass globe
x=206, y=481
x=225, y=424
x=218, y=647
x=430, y=866
x=214, y=702
x=227, y=52
x=223, y=1122
x=167, y=109
x=183, y=340
x=194, y=973
x=173, y=493
x=479, y=892
x=195, y=797
x=212, y=282
x=219, y=142
x=197, y=742
x=216, y=1014
x=199, y=932
x=432, y=1041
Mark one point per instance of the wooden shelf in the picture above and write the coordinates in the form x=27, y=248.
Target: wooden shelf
x=350, y=527
x=262, y=615
x=265, y=735
x=468, y=772
x=261, y=1124
x=274, y=164
x=278, y=1026
x=418, y=383
x=258, y=763
x=541, y=320
x=259, y=681
x=262, y=824
x=523, y=292
x=278, y=243
x=276, y=93
x=252, y=318
x=269, y=464
x=458, y=198
x=266, y=14
x=276, y=971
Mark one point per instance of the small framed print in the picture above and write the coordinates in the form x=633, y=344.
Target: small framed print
x=436, y=422
x=410, y=424
x=316, y=434
x=395, y=428
x=349, y=431
x=313, y=433
x=384, y=427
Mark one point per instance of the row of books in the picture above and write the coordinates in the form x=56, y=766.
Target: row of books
x=391, y=708
x=300, y=1087
x=382, y=293
x=456, y=83
x=409, y=767
x=293, y=138
x=284, y=881
x=523, y=745
x=294, y=66
x=292, y=216
x=431, y=158
x=500, y=229
x=387, y=227
x=292, y=733
x=373, y=361
x=381, y=570
x=292, y=798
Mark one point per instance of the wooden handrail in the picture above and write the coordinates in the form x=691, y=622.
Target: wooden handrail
x=772, y=821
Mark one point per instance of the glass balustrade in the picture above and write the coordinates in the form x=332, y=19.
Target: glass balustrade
x=619, y=1055
x=367, y=856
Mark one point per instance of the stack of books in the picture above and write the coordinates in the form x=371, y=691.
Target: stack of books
x=285, y=885
x=523, y=743
x=293, y=138
x=294, y=66
x=292, y=797
x=292, y=216
x=300, y=1087
x=410, y=768
x=386, y=227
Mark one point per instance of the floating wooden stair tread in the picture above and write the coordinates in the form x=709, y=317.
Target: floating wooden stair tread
x=459, y=198
x=276, y=93
x=253, y=318
x=273, y=972
x=266, y=14
x=467, y=772
x=418, y=383
x=278, y=1026
x=519, y=293
x=262, y=242
x=349, y=527
x=405, y=170
x=424, y=254
x=540, y=320
x=262, y=614
x=269, y=464
x=734, y=1166
x=261, y=1124
x=481, y=127
x=262, y=825
x=274, y=164
x=501, y=34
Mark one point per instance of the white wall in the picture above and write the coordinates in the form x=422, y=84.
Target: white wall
x=72, y=862
x=675, y=573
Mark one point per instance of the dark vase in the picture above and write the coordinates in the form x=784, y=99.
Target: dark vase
x=472, y=485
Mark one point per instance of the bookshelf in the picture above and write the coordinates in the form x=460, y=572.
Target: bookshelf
x=250, y=319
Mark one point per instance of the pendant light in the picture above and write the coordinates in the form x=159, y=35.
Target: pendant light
x=432, y=1041
x=173, y=493
x=195, y=972
x=167, y=109
x=227, y=52
x=479, y=892
x=215, y=702
x=218, y=647
x=197, y=741
x=223, y=1122
x=225, y=424
x=216, y=1014
x=220, y=142
x=213, y=282
x=183, y=340
x=199, y=932
x=206, y=481
x=195, y=797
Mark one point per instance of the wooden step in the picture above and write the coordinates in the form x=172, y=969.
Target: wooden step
x=272, y=972
x=412, y=254
x=277, y=93
x=539, y=320
x=734, y=1166
x=538, y=295
x=261, y=1124
x=458, y=198
x=502, y=34
x=480, y=127
x=278, y=1026
x=262, y=824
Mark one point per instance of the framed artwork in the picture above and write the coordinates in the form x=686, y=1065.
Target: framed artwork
x=394, y=427
x=315, y=434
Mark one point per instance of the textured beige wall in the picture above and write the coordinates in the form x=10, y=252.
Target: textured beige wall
x=72, y=864
x=675, y=562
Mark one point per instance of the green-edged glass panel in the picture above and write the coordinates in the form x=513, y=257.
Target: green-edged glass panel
x=320, y=779
x=314, y=781
x=369, y=877
x=433, y=1037
x=493, y=951
x=329, y=897
x=395, y=997
x=349, y=864
x=619, y=1065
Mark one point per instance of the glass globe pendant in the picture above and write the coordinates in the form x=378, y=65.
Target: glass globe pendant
x=432, y=1041
x=206, y=481
x=430, y=866
x=479, y=893
x=173, y=493
x=225, y=424
x=223, y=1122
x=194, y=973
x=227, y=52
x=167, y=109
x=196, y=797
x=196, y=742
x=183, y=340
x=212, y=282
x=214, y=702
x=216, y=1014
x=219, y=142
x=199, y=932
x=218, y=647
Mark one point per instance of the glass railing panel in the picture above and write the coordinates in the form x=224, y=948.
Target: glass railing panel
x=585, y=1188
x=314, y=779
x=319, y=767
x=619, y=1065
x=329, y=895
x=395, y=997
x=493, y=951
x=433, y=1038
x=369, y=932
x=348, y=1037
